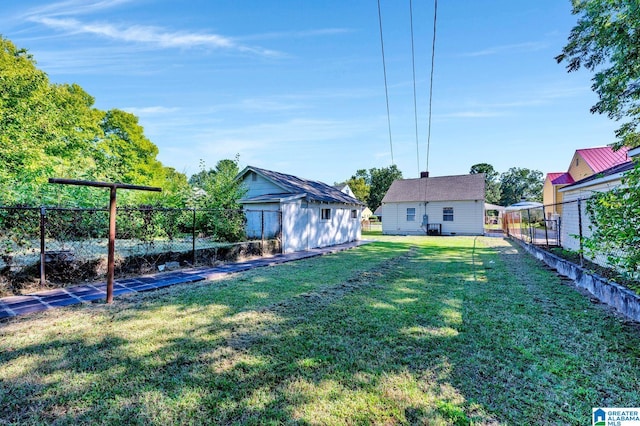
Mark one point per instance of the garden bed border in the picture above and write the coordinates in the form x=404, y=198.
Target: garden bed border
x=620, y=298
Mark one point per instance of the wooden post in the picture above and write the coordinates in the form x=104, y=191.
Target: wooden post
x=111, y=252
x=193, y=236
x=43, y=247
x=112, y=220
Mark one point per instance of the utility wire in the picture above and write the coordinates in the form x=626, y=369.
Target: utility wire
x=433, y=55
x=386, y=90
x=415, y=102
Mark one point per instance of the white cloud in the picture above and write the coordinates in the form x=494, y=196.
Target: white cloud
x=152, y=110
x=74, y=8
x=149, y=35
x=509, y=48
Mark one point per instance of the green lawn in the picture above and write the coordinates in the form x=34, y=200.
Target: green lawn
x=407, y=330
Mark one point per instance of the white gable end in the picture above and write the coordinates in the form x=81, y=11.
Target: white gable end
x=257, y=185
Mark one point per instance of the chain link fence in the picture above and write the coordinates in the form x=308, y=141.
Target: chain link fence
x=560, y=227
x=56, y=247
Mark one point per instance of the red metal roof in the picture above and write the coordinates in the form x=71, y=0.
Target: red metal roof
x=603, y=158
x=560, y=178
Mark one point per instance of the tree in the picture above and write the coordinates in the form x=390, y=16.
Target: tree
x=492, y=185
x=379, y=181
x=615, y=218
x=520, y=183
x=216, y=193
x=45, y=129
x=359, y=187
x=606, y=40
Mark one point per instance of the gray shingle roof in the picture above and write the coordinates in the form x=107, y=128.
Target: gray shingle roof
x=440, y=188
x=312, y=190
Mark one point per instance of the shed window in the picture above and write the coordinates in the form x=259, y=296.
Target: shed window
x=354, y=214
x=254, y=177
x=447, y=214
x=325, y=214
x=411, y=214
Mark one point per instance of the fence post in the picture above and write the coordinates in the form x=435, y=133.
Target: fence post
x=530, y=227
x=580, y=230
x=546, y=231
x=193, y=236
x=43, y=214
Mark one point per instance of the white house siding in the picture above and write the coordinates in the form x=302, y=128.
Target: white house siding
x=468, y=217
x=303, y=228
x=257, y=214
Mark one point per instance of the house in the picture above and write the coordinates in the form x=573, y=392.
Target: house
x=346, y=189
x=585, y=162
x=606, y=180
x=447, y=205
x=311, y=214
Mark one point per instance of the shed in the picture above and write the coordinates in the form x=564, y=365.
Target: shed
x=312, y=214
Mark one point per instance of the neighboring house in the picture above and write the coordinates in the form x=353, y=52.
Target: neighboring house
x=345, y=189
x=366, y=213
x=585, y=162
x=449, y=204
x=313, y=214
x=605, y=180
x=378, y=213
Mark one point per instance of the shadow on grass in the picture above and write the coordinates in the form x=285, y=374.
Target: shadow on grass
x=392, y=332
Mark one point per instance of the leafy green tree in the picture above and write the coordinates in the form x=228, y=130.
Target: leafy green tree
x=492, y=184
x=615, y=216
x=359, y=187
x=216, y=192
x=379, y=180
x=520, y=183
x=45, y=129
x=606, y=41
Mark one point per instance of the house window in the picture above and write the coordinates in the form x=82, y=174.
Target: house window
x=447, y=214
x=354, y=214
x=254, y=177
x=325, y=214
x=411, y=214
x=577, y=161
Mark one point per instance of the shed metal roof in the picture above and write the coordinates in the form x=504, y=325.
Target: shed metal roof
x=295, y=186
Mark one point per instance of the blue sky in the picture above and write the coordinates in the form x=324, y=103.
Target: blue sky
x=297, y=86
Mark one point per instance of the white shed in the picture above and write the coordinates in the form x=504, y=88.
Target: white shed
x=447, y=205
x=312, y=214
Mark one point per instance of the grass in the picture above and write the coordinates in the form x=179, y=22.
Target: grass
x=408, y=330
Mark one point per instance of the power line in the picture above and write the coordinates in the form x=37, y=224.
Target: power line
x=433, y=55
x=386, y=90
x=415, y=102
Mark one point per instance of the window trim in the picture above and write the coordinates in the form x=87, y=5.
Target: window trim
x=325, y=214
x=411, y=217
x=354, y=214
x=447, y=214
